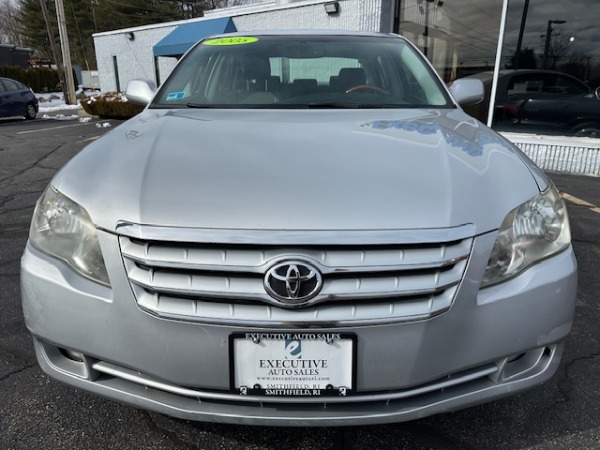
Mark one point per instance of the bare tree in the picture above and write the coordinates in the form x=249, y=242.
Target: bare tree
x=559, y=49
x=196, y=8
x=9, y=25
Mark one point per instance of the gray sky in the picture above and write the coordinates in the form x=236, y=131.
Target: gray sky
x=582, y=18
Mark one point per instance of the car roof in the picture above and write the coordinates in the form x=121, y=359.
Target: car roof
x=486, y=76
x=519, y=71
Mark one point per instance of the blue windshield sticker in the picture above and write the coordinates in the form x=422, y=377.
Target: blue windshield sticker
x=175, y=96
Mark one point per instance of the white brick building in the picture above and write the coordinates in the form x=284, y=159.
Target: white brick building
x=126, y=54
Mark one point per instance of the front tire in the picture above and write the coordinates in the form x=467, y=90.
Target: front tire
x=30, y=112
x=588, y=129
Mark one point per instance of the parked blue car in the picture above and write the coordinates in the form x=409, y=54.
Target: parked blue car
x=16, y=100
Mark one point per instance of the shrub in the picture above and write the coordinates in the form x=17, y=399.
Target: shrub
x=41, y=79
x=110, y=105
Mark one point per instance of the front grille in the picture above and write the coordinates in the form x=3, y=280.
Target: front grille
x=364, y=282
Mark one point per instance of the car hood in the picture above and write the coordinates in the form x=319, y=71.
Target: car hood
x=300, y=170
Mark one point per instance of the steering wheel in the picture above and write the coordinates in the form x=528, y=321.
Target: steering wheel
x=597, y=92
x=361, y=87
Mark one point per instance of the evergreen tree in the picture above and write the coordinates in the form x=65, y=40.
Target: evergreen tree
x=33, y=27
x=80, y=25
x=86, y=17
x=117, y=14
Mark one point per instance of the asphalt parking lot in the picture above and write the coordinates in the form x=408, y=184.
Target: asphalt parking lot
x=39, y=413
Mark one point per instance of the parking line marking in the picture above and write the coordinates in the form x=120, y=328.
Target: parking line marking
x=53, y=128
x=580, y=202
x=89, y=139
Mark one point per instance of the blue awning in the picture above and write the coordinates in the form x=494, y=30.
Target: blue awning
x=178, y=41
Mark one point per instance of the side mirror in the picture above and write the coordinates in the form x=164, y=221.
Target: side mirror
x=467, y=91
x=140, y=92
x=597, y=92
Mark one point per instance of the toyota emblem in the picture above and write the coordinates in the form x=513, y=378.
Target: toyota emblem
x=293, y=282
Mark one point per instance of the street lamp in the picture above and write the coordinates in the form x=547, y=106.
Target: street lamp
x=548, y=37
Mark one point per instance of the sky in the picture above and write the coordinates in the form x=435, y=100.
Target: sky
x=581, y=18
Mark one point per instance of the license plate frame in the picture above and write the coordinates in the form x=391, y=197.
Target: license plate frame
x=293, y=364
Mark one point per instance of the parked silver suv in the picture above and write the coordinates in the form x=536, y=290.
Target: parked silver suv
x=300, y=229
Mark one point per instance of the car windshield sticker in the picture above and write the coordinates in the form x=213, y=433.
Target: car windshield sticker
x=231, y=41
x=175, y=96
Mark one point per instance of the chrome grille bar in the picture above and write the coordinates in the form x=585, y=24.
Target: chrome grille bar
x=193, y=257
x=400, y=280
x=479, y=373
x=295, y=237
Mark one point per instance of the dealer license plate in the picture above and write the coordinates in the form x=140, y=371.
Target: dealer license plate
x=293, y=364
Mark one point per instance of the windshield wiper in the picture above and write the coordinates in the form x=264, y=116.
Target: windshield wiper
x=338, y=105
x=243, y=106
x=203, y=105
x=315, y=105
x=346, y=105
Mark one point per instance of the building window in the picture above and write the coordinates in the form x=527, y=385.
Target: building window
x=460, y=38
x=116, y=68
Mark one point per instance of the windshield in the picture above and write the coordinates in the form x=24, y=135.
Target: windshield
x=302, y=72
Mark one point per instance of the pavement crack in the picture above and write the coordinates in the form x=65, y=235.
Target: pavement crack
x=6, y=200
x=35, y=164
x=16, y=372
x=43, y=166
x=574, y=361
x=562, y=388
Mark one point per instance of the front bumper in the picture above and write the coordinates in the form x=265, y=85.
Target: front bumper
x=490, y=344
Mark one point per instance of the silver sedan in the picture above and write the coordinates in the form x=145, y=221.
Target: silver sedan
x=300, y=229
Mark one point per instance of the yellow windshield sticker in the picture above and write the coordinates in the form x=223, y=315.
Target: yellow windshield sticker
x=231, y=41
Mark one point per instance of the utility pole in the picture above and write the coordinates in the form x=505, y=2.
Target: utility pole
x=66, y=53
x=548, y=39
x=521, y=32
x=57, y=60
x=426, y=31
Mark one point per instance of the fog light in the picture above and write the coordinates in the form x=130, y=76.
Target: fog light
x=73, y=356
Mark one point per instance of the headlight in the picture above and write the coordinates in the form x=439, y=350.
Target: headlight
x=63, y=229
x=531, y=232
